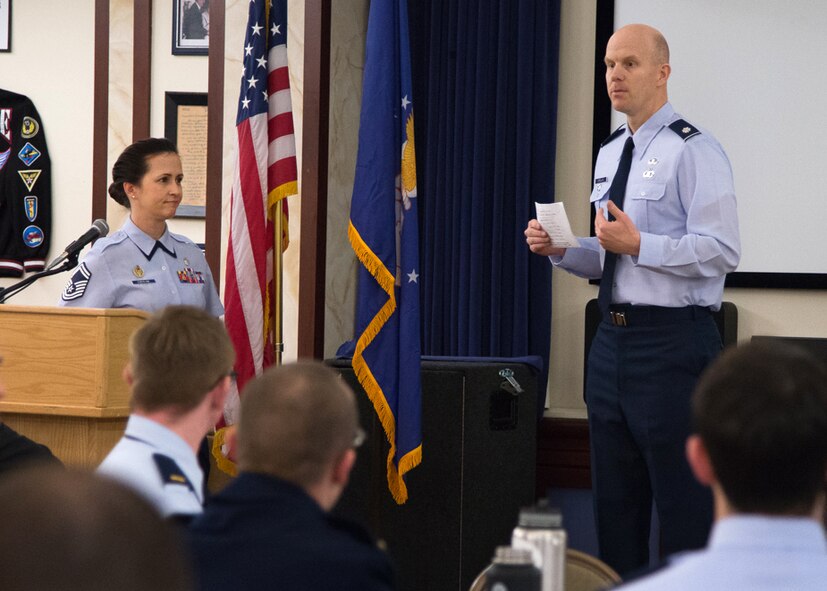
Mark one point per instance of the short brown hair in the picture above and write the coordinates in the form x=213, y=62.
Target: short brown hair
x=295, y=420
x=177, y=356
x=78, y=531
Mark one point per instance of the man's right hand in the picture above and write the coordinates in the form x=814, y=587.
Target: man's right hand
x=539, y=241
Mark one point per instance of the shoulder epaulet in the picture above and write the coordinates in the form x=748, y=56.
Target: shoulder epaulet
x=684, y=129
x=170, y=472
x=615, y=134
x=111, y=240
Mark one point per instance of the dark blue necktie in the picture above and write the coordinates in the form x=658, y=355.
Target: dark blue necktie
x=616, y=194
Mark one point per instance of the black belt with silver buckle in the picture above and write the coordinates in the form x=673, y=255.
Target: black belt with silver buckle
x=629, y=315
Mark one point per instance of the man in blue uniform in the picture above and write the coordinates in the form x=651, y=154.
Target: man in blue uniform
x=271, y=527
x=179, y=372
x=760, y=418
x=666, y=235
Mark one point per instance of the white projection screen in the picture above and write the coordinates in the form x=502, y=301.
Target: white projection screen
x=751, y=73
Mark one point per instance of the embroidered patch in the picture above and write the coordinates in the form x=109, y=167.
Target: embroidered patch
x=28, y=154
x=77, y=284
x=4, y=156
x=5, y=124
x=30, y=127
x=29, y=177
x=30, y=202
x=32, y=236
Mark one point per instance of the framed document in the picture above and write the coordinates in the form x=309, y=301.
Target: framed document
x=185, y=123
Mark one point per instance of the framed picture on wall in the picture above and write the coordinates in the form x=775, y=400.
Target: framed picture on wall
x=185, y=123
x=190, y=27
x=5, y=25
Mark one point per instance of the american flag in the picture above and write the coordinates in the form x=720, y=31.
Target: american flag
x=265, y=173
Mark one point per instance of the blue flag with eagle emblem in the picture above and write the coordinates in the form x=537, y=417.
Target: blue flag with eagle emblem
x=384, y=233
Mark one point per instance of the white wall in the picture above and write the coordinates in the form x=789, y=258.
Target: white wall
x=52, y=63
x=760, y=311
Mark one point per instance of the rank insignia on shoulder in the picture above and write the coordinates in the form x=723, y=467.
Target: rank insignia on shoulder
x=77, y=284
x=615, y=134
x=30, y=127
x=170, y=472
x=684, y=129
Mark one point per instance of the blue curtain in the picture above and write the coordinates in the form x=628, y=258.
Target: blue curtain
x=485, y=76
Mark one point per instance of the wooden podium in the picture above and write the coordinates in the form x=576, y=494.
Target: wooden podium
x=62, y=368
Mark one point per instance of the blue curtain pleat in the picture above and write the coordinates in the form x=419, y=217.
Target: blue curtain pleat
x=485, y=76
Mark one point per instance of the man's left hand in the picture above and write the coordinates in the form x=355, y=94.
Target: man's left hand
x=620, y=236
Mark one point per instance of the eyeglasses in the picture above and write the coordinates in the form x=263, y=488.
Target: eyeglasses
x=358, y=438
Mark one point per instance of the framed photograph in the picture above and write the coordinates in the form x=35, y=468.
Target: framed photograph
x=190, y=27
x=185, y=123
x=5, y=25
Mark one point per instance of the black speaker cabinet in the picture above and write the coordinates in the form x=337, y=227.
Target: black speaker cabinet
x=477, y=470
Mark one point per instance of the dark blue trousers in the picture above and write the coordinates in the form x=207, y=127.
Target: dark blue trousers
x=638, y=389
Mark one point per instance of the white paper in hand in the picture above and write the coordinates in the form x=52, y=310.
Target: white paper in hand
x=553, y=218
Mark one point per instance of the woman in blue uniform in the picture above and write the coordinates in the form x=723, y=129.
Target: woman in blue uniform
x=143, y=265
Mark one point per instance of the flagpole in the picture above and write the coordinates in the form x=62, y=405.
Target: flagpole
x=278, y=269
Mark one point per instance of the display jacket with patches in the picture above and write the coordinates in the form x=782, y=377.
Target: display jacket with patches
x=25, y=187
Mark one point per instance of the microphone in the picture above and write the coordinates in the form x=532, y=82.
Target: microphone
x=99, y=228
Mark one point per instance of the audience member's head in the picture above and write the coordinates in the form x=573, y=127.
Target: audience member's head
x=760, y=414
x=176, y=357
x=75, y=531
x=299, y=422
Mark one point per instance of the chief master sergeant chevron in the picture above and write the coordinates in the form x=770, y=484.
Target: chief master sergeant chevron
x=665, y=239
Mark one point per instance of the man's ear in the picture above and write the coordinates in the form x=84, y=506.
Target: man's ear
x=231, y=441
x=126, y=374
x=663, y=74
x=343, y=466
x=219, y=394
x=698, y=458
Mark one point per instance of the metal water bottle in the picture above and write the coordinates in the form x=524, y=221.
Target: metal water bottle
x=540, y=530
x=512, y=569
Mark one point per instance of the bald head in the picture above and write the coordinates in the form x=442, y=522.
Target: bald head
x=296, y=420
x=656, y=47
x=637, y=70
